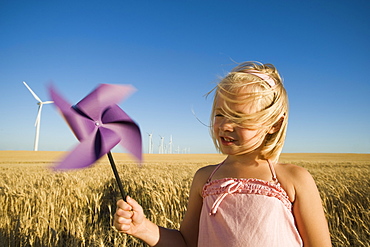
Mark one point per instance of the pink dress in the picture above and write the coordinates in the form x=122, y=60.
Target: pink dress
x=246, y=212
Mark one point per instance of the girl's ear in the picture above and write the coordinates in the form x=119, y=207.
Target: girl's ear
x=276, y=127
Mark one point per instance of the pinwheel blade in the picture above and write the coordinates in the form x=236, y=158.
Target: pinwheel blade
x=102, y=97
x=116, y=119
x=81, y=125
x=89, y=150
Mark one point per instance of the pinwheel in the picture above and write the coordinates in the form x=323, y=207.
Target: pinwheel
x=99, y=124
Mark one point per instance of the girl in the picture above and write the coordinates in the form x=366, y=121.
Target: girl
x=249, y=199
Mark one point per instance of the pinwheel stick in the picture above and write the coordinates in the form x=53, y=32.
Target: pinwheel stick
x=114, y=168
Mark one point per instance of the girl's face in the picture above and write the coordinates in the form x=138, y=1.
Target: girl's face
x=233, y=139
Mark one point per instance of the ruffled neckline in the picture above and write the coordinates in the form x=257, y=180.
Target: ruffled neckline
x=246, y=186
x=270, y=183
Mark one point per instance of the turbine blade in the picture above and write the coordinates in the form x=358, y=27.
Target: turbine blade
x=37, y=122
x=48, y=102
x=34, y=95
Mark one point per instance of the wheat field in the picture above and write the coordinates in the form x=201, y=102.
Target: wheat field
x=39, y=207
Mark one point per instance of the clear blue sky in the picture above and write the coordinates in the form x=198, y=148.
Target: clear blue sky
x=173, y=53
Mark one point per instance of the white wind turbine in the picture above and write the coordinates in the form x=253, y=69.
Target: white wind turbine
x=38, y=118
x=161, y=147
x=150, y=143
x=170, y=145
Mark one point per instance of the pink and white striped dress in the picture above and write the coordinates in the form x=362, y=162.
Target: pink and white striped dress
x=246, y=212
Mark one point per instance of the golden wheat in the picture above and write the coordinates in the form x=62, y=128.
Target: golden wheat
x=43, y=208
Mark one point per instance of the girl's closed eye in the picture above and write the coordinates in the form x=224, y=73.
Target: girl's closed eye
x=219, y=113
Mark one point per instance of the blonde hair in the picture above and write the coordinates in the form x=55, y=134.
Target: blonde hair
x=268, y=103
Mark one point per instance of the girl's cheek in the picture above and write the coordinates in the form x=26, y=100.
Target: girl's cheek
x=215, y=132
x=215, y=127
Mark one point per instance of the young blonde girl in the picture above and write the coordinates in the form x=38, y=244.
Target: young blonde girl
x=249, y=199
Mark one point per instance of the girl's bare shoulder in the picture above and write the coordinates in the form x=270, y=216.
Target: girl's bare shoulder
x=291, y=171
x=293, y=178
x=201, y=177
x=205, y=172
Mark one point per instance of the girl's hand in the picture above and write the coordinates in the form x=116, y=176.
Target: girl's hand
x=129, y=216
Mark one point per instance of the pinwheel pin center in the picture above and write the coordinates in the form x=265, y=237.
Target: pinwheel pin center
x=97, y=123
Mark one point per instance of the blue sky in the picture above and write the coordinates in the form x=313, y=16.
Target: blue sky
x=173, y=52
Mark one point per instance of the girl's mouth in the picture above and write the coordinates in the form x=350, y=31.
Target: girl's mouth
x=227, y=140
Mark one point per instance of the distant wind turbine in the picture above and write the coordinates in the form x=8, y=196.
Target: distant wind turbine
x=161, y=147
x=38, y=118
x=170, y=145
x=150, y=143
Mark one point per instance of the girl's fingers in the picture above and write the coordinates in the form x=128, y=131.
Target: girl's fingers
x=134, y=204
x=125, y=221
x=129, y=215
x=137, y=210
x=124, y=213
x=123, y=205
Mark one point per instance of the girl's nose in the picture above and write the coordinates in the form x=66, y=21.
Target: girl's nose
x=226, y=125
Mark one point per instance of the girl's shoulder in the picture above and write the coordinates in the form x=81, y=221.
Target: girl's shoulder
x=293, y=178
x=204, y=173
x=291, y=170
x=201, y=177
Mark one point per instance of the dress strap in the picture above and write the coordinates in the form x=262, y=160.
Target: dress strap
x=272, y=169
x=214, y=171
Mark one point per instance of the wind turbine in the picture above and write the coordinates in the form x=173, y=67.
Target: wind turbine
x=38, y=118
x=150, y=143
x=170, y=145
x=161, y=147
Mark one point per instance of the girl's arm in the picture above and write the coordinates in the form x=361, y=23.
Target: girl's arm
x=129, y=218
x=190, y=225
x=308, y=211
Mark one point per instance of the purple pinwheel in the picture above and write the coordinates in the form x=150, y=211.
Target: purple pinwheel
x=99, y=124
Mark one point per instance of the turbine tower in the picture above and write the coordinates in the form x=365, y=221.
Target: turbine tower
x=170, y=145
x=38, y=118
x=150, y=149
x=161, y=147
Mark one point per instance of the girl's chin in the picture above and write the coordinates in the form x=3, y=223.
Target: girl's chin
x=234, y=151
x=228, y=151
